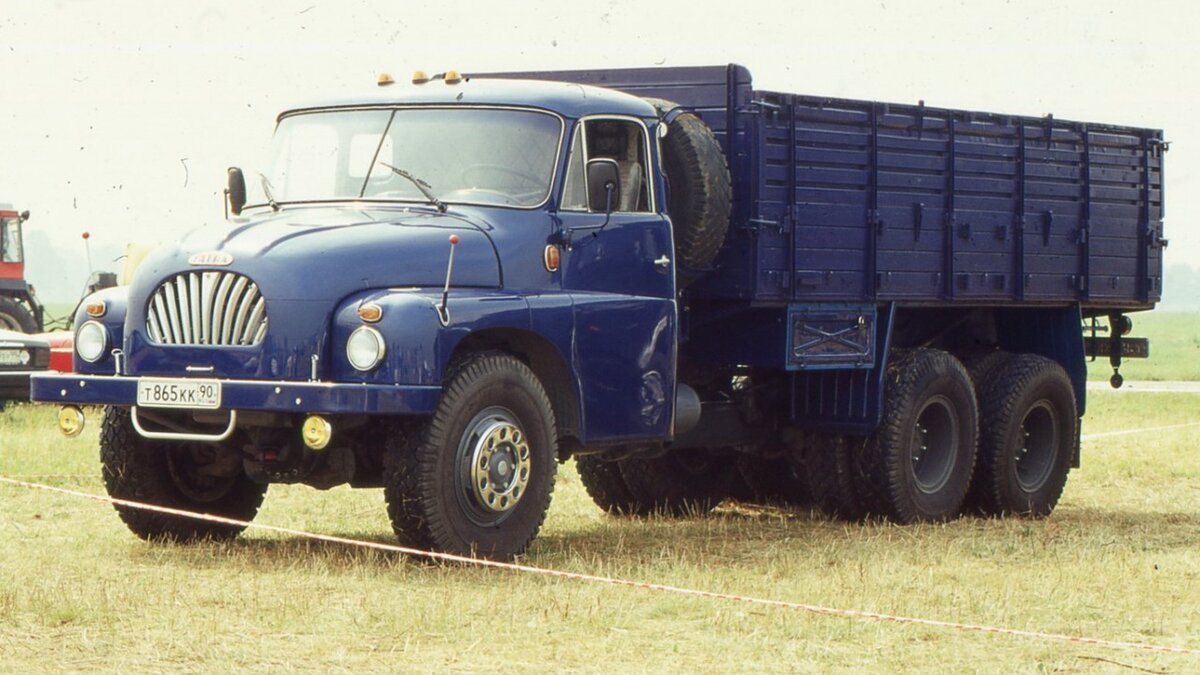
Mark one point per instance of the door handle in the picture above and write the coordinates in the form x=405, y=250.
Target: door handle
x=664, y=262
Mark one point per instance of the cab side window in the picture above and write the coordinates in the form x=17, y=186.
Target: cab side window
x=619, y=140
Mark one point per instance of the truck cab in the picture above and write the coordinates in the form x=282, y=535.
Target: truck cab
x=508, y=235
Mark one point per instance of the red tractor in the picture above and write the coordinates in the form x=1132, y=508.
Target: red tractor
x=19, y=307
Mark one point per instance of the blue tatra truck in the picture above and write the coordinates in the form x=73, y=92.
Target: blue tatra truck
x=696, y=289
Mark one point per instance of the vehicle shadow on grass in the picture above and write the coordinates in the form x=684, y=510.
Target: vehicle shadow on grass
x=736, y=533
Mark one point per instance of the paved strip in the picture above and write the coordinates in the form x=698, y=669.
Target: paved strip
x=1149, y=387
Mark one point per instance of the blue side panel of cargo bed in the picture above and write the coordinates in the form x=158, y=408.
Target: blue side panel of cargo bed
x=849, y=201
x=903, y=202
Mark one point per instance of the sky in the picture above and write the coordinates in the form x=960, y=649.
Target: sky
x=119, y=118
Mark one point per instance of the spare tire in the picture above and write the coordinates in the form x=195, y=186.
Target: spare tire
x=701, y=194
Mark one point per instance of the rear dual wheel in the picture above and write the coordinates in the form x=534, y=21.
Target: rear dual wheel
x=1028, y=438
x=918, y=465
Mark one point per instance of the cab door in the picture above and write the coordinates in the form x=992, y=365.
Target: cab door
x=618, y=268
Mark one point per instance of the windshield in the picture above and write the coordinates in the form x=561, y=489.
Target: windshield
x=464, y=155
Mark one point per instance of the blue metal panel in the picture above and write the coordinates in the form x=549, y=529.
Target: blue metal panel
x=419, y=347
x=1051, y=332
x=845, y=401
x=624, y=353
x=830, y=336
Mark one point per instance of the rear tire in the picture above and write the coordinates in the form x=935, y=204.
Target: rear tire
x=920, y=460
x=169, y=474
x=778, y=480
x=476, y=478
x=833, y=482
x=14, y=316
x=1027, y=437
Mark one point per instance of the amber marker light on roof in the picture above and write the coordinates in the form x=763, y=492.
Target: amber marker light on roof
x=96, y=309
x=385, y=79
x=419, y=77
x=370, y=312
x=452, y=77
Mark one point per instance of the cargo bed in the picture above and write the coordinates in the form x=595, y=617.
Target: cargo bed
x=839, y=200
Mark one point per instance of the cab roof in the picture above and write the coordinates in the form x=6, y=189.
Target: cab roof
x=570, y=100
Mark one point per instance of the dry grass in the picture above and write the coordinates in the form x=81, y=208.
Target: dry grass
x=1120, y=559
x=1174, y=349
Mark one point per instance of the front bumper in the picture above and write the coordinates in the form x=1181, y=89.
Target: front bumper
x=278, y=396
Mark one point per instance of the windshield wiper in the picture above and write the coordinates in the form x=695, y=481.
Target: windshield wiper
x=421, y=185
x=266, y=186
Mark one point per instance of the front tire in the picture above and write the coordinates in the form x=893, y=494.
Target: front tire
x=179, y=475
x=476, y=479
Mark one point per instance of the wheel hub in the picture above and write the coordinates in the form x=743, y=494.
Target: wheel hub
x=500, y=465
x=933, y=448
x=1039, y=441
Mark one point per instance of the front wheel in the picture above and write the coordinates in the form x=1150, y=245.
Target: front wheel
x=476, y=478
x=198, y=477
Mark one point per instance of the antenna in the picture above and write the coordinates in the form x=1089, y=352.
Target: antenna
x=87, y=247
x=443, y=313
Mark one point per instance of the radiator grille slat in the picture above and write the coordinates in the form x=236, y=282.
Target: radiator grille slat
x=207, y=308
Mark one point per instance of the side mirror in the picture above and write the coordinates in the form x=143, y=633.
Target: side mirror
x=604, y=185
x=235, y=190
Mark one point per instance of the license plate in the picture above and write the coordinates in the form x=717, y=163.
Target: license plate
x=167, y=393
x=14, y=357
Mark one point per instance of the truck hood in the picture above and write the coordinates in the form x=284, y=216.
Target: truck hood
x=329, y=252
x=305, y=261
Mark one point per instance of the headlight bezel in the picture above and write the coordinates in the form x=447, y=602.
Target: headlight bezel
x=82, y=347
x=378, y=349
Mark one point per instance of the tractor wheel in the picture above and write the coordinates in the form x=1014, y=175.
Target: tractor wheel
x=14, y=316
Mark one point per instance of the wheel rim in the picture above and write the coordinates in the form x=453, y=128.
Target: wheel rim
x=1037, y=446
x=8, y=322
x=185, y=464
x=935, y=441
x=495, y=465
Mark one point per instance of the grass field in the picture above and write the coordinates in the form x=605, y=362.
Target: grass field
x=1119, y=559
x=1174, y=349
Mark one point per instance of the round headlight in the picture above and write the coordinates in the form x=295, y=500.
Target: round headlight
x=365, y=348
x=90, y=341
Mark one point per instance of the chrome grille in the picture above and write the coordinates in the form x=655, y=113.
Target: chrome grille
x=207, y=308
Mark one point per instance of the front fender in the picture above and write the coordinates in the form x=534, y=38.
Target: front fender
x=418, y=345
x=116, y=303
